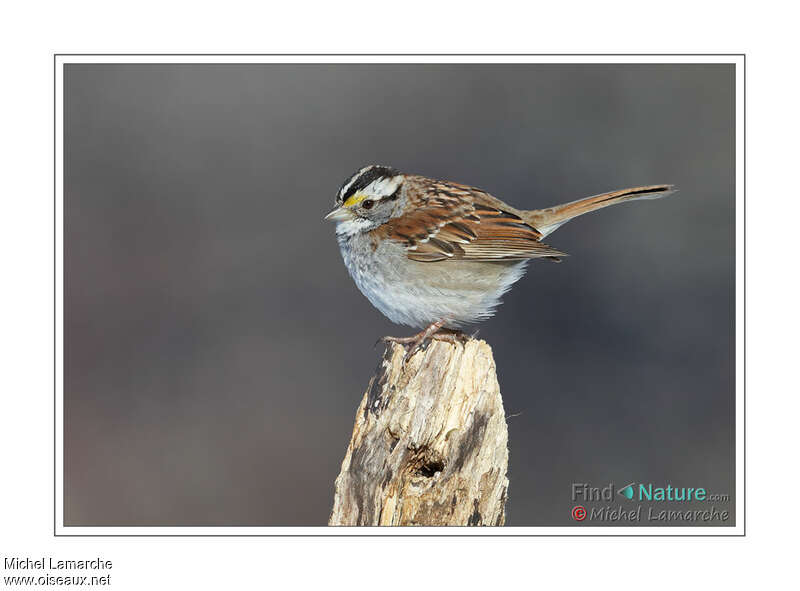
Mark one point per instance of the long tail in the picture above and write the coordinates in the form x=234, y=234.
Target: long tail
x=549, y=219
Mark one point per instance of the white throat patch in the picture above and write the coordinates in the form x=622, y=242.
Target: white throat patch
x=352, y=226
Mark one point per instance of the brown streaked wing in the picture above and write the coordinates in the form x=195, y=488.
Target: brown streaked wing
x=454, y=221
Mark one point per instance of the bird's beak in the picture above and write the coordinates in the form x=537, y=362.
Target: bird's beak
x=339, y=214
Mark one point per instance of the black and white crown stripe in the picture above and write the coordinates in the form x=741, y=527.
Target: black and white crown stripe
x=362, y=179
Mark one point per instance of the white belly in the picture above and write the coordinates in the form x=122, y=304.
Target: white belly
x=417, y=294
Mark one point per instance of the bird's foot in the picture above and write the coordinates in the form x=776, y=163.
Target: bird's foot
x=448, y=335
x=434, y=331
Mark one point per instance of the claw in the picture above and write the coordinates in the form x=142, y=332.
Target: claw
x=453, y=337
x=432, y=332
x=412, y=350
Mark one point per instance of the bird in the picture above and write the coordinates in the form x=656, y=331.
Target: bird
x=438, y=255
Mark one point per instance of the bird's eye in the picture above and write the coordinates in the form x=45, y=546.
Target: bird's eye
x=367, y=203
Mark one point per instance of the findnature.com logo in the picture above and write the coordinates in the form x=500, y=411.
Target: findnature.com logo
x=582, y=491
x=645, y=493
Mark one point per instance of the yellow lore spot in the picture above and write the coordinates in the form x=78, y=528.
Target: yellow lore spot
x=354, y=200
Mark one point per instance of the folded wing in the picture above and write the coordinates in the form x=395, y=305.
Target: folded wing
x=459, y=222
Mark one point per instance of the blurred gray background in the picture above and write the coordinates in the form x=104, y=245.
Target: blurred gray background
x=216, y=349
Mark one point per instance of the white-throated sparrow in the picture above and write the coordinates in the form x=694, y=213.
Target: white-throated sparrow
x=438, y=255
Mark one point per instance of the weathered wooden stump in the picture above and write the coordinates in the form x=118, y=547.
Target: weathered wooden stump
x=430, y=442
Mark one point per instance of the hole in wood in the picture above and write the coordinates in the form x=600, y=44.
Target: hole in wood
x=429, y=469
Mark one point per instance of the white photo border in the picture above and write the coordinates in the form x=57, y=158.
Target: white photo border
x=60, y=60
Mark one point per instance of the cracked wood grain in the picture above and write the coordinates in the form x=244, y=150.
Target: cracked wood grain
x=429, y=444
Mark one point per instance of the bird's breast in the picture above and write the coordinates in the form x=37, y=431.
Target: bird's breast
x=417, y=293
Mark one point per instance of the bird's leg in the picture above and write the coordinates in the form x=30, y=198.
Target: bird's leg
x=433, y=331
x=418, y=338
x=450, y=336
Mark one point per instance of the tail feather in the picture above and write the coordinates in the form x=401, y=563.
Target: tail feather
x=549, y=219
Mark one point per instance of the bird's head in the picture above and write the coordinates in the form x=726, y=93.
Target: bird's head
x=367, y=199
